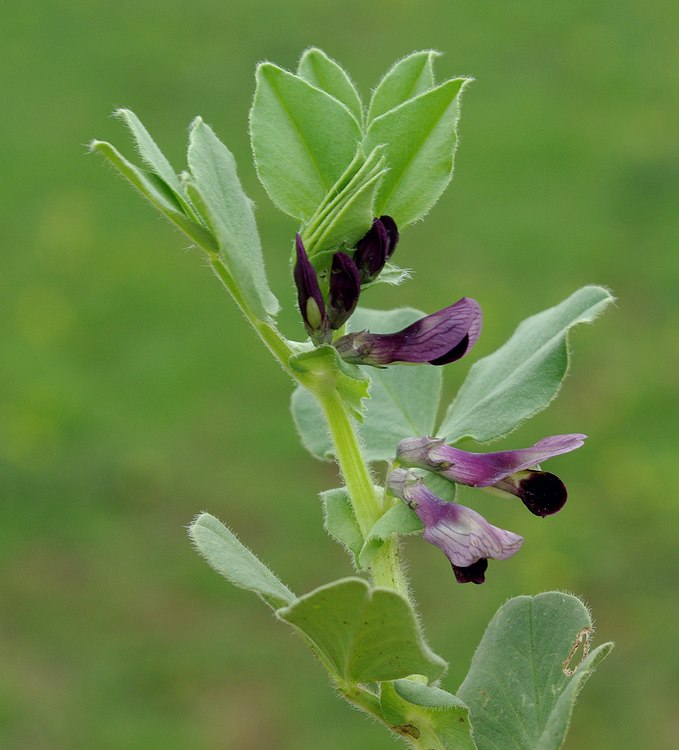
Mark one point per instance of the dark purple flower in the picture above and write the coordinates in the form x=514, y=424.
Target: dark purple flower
x=439, y=338
x=511, y=472
x=345, y=288
x=375, y=248
x=465, y=537
x=309, y=297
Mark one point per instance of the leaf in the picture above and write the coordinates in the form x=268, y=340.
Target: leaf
x=158, y=193
x=404, y=399
x=518, y=690
x=225, y=554
x=340, y=521
x=524, y=375
x=434, y=717
x=322, y=370
x=363, y=634
x=217, y=193
x=406, y=79
x=148, y=150
x=326, y=74
x=398, y=519
x=391, y=274
x=302, y=139
x=421, y=138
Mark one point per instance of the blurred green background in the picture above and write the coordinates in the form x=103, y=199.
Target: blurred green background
x=132, y=394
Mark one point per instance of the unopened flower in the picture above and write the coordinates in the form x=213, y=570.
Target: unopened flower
x=511, y=472
x=343, y=291
x=464, y=536
x=439, y=338
x=375, y=248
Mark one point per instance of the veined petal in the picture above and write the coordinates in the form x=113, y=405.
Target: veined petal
x=482, y=469
x=439, y=338
x=464, y=536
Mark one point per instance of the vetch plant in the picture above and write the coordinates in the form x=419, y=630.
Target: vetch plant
x=367, y=394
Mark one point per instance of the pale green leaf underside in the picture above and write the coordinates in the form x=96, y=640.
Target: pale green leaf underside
x=230, y=215
x=148, y=150
x=523, y=376
x=435, y=717
x=407, y=78
x=363, y=634
x=302, y=139
x=398, y=519
x=223, y=552
x=327, y=74
x=158, y=193
x=518, y=694
x=421, y=138
x=340, y=521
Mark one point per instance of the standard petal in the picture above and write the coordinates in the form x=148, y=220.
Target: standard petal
x=439, y=338
x=482, y=469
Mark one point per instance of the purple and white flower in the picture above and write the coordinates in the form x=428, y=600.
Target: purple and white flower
x=464, y=536
x=515, y=472
x=437, y=339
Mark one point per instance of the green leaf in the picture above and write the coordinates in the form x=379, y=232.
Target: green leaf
x=236, y=563
x=158, y=193
x=524, y=375
x=340, y=521
x=363, y=634
x=322, y=369
x=349, y=208
x=421, y=138
x=391, y=274
x=302, y=139
x=434, y=717
x=148, y=150
x=404, y=399
x=218, y=195
x=520, y=688
x=398, y=519
x=328, y=75
x=406, y=79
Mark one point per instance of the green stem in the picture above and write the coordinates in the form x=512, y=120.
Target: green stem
x=386, y=569
x=266, y=331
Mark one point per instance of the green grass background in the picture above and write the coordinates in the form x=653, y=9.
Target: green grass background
x=132, y=395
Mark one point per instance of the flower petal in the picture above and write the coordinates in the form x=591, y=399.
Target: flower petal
x=541, y=492
x=439, y=338
x=482, y=469
x=344, y=290
x=375, y=248
x=309, y=297
x=461, y=533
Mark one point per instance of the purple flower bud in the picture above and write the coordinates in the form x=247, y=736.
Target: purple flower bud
x=309, y=297
x=438, y=339
x=375, y=248
x=345, y=287
x=541, y=492
x=465, y=537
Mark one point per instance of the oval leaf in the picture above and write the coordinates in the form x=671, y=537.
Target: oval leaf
x=363, y=634
x=406, y=79
x=523, y=376
x=328, y=75
x=302, y=139
x=421, y=138
x=519, y=689
x=229, y=215
x=235, y=562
